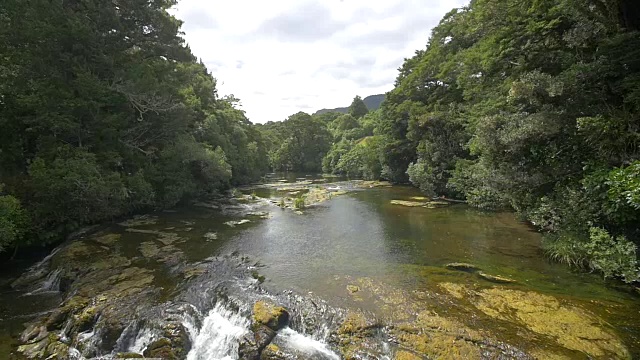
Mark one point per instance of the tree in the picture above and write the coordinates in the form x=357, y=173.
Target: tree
x=106, y=111
x=358, y=108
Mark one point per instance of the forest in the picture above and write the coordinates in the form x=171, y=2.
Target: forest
x=530, y=106
x=106, y=112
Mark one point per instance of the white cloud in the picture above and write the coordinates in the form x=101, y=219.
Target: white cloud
x=281, y=57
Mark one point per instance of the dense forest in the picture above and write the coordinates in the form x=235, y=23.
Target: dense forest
x=105, y=111
x=524, y=105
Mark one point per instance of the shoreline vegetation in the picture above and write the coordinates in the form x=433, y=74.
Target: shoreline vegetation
x=531, y=107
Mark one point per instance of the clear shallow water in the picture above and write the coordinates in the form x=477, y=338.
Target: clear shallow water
x=356, y=235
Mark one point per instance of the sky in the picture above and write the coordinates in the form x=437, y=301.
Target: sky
x=281, y=57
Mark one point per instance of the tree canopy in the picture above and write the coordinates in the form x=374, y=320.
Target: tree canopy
x=105, y=111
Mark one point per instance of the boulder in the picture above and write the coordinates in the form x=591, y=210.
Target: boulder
x=271, y=315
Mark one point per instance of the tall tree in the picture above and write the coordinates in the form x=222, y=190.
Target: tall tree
x=358, y=108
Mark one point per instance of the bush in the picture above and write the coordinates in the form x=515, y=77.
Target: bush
x=14, y=221
x=612, y=256
x=299, y=203
x=71, y=190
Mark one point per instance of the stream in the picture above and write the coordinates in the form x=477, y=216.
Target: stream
x=360, y=277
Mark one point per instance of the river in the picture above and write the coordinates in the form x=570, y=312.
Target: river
x=361, y=277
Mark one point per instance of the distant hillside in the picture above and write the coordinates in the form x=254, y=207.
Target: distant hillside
x=373, y=103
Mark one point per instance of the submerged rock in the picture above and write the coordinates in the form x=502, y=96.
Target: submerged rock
x=140, y=220
x=424, y=204
x=234, y=223
x=462, y=266
x=210, y=236
x=572, y=327
x=405, y=355
x=495, y=278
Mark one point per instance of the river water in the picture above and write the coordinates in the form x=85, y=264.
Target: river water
x=355, y=252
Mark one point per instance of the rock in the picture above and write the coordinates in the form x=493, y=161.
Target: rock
x=234, y=223
x=129, y=356
x=371, y=184
x=570, y=326
x=149, y=249
x=353, y=288
x=462, y=266
x=272, y=352
x=256, y=275
x=140, y=220
x=458, y=291
x=108, y=239
x=210, y=236
x=405, y=355
x=161, y=349
x=424, y=204
x=495, y=278
x=408, y=203
x=266, y=313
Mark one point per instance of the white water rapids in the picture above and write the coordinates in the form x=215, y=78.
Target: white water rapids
x=222, y=330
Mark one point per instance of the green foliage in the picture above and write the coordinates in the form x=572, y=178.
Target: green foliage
x=14, y=222
x=624, y=186
x=299, y=203
x=600, y=251
x=613, y=256
x=534, y=107
x=116, y=116
x=71, y=189
x=298, y=143
x=358, y=108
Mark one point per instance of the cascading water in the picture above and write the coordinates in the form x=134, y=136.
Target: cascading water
x=219, y=336
x=305, y=345
x=50, y=284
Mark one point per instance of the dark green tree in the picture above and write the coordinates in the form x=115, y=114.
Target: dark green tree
x=358, y=108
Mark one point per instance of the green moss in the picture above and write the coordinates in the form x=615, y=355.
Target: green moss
x=571, y=327
x=129, y=356
x=275, y=317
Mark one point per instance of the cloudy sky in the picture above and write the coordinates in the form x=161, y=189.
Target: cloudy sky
x=281, y=57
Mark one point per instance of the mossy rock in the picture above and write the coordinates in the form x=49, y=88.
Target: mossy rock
x=272, y=352
x=408, y=203
x=162, y=349
x=571, y=327
x=353, y=289
x=256, y=275
x=462, y=266
x=129, y=356
x=108, y=239
x=275, y=317
x=405, y=355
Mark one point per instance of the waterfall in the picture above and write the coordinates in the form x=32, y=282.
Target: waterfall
x=219, y=335
x=223, y=328
x=50, y=284
x=309, y=347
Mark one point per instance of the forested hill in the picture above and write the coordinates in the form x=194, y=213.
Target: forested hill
x=372, y=102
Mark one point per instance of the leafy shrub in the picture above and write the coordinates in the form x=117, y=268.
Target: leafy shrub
x=14, y=221
x=612, y=256
x=299, y=203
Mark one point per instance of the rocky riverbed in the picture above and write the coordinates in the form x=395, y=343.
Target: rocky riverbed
x=136, y=289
